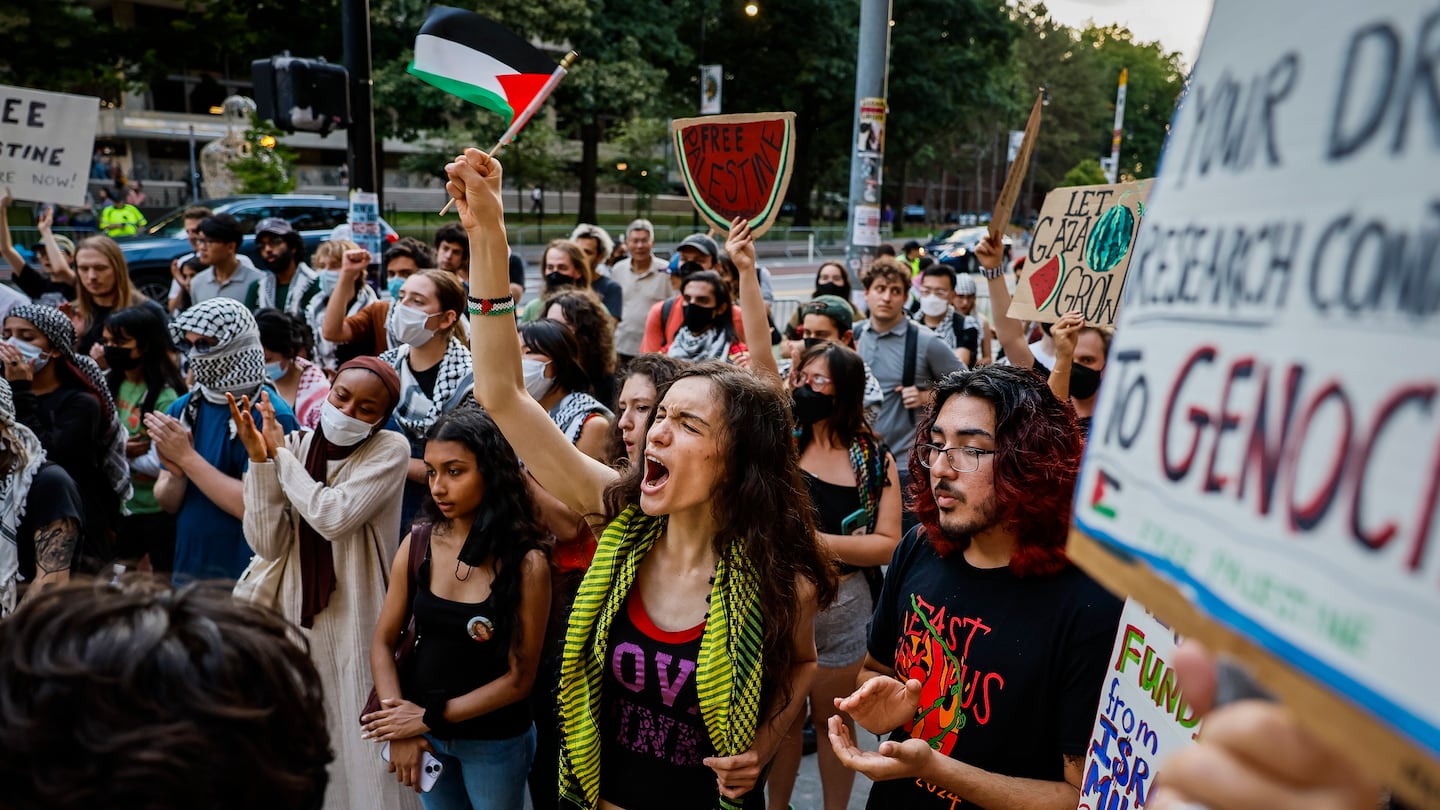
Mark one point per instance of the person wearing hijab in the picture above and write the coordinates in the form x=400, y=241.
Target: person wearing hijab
x=326, y=503
x=40, y=511
x=197, y=441
x=64, y=399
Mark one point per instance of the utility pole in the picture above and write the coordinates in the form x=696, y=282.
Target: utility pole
x=867, y=159
x=361, y=151
x=1113, y=170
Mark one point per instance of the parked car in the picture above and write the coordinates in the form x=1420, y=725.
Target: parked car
x=150, y=252
x=913, y=213
x=956, y=248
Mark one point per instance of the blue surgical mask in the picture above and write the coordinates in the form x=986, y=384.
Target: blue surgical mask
x=275, y=370
x=393, y=287
x=33, y=354
x=329, y=280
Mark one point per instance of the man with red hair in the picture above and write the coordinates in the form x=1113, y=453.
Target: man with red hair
x=988, y=648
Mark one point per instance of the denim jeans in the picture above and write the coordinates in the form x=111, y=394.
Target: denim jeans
x=481, y=774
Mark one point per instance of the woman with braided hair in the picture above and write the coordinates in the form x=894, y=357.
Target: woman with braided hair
x=198, y=444
x=691, y=643
x=63, y=397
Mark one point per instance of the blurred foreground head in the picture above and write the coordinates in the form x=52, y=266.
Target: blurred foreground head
x=138, y=695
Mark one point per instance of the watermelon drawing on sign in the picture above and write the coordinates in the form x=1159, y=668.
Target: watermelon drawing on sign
x=1110, y=239
x=1045, y=281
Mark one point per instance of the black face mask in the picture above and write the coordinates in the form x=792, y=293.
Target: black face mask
x=811, y=343
x=831, y=289
x=554, y=281
x=1084, y=381
x=810, y=406
x=698, y=318
x=119, y=358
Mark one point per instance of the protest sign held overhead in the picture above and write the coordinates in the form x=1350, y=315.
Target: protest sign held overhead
x=736, y=165
x=45, y=144
x=1267, y=443
x=1142, y=719
x=1079, y=252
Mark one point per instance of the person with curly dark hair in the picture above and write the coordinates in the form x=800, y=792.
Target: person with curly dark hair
x=640, y=385
x=480, y=601
x=137, y=695
x=987, y=648
x=691, y=643
x=594, y=328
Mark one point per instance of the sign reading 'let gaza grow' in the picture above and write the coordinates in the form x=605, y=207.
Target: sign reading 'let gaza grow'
x=1268, y=435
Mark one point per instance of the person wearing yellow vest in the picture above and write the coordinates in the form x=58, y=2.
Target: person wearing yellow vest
x=121, y=219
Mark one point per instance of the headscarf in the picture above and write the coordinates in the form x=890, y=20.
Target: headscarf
x=19, y=441
x=57, y=328
x=237, y=363
x=317, y=562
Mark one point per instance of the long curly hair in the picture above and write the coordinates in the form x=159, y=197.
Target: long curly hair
x=507, y=527
x=760, y=501
x=1037, y=459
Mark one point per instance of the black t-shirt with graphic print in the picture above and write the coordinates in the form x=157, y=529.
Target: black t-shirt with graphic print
x=1011, y=666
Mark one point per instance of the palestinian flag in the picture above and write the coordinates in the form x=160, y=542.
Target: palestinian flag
x=479, y=60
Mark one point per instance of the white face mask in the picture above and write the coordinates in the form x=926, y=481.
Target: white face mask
x=535, y=380
x=933, y=305
x=33, y=354
x=329, y=280
x=341, y=430
x=410, y=326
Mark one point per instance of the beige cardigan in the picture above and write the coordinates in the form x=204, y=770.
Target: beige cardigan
x=358, y=511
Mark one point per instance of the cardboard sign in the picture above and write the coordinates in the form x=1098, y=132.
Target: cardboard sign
x=1267, y=439
x=45, y=144
x=1079, y=253
x=736, y=165
x=1142, y=718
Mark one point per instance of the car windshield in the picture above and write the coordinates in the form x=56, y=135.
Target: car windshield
x=172, y=225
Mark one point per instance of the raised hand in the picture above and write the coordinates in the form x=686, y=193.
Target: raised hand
x=475, y=185
x=245, y=428
x=882, y=704
x=1066, y=331
x=989, y=254
x=270, y=427
x=740, y=244
x=47, y=216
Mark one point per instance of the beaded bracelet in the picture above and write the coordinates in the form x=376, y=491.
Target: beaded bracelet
x=994, y=273
x=491, y=306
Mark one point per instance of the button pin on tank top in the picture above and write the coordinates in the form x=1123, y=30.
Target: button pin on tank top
x=480, y=628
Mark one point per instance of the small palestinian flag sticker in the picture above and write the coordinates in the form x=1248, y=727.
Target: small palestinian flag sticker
x=1104, y=485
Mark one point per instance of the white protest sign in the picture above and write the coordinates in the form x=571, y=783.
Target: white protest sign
x=1142, y=718
x=1268, y=434
x=45, y=144
x=365, y=222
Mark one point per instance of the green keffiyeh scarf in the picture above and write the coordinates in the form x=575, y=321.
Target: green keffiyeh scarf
x=727, y=672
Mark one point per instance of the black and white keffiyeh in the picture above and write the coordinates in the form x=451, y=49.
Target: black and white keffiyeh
x=712, y=344
x=18, y=441
x=315, y=314
x=237, y=363
x=305, y=277
x=417, y=412
x=571, y=413
x=57, y=328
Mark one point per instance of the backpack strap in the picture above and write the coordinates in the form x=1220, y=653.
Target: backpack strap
x=912, y=341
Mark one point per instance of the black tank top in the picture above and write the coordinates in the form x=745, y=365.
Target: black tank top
x=833, y=503
x=459, y=648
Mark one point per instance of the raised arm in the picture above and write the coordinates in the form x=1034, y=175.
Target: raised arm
x=741, y=247
x=7, y=244
x=1009, y=330
x=333, y=327
x=570, y=475
x=60, y=270
x=1064, y=333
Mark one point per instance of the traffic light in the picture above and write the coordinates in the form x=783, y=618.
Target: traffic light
x=308, y=95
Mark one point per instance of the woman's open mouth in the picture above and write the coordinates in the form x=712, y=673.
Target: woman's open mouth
x=656, y=474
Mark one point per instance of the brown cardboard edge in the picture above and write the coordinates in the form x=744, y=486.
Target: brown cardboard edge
x=1389, y=757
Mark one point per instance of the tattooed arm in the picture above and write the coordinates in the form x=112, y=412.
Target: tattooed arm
x=55, y=545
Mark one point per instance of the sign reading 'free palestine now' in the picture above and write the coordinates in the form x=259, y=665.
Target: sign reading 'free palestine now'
x=45, y=144
x=1268, y=436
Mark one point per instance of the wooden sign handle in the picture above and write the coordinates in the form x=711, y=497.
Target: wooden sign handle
x=1011, y=191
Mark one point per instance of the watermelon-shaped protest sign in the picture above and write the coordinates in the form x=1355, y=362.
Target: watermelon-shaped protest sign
x=736, y=165
x=1079, y=252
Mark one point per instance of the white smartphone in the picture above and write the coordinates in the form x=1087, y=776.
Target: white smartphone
x=430, y=767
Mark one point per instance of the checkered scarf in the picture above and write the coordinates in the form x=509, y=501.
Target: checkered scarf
x=237, y=363
x=417, y=412
x=57, y=328
x=14, y=492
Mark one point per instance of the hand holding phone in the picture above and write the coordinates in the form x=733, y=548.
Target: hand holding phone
x=430, y=767
x=856, y=522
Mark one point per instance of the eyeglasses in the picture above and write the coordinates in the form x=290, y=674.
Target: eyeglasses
x=812, y=380
x=200, y=242
x=968, y=460
x=201, y=346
